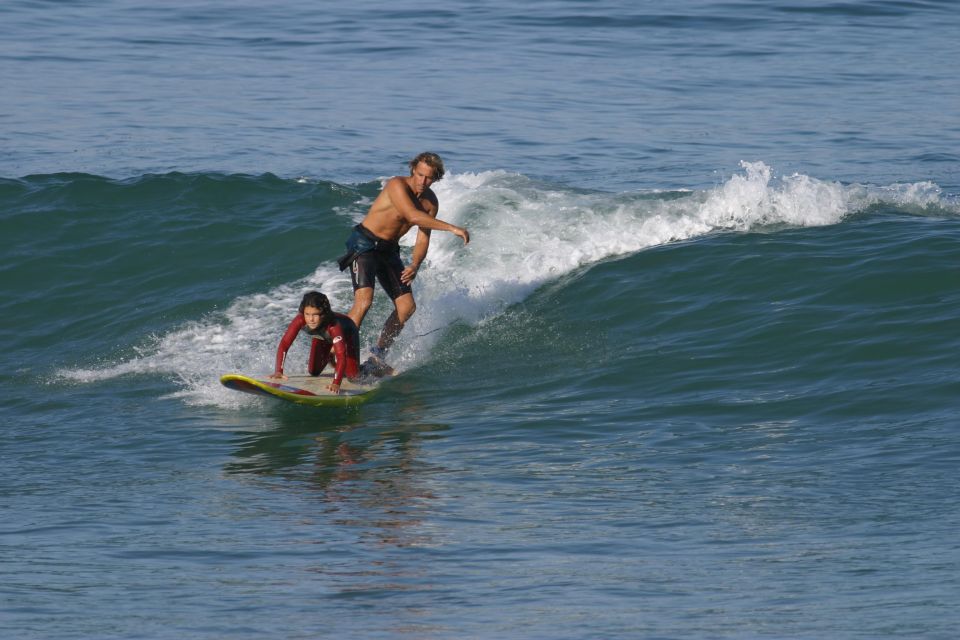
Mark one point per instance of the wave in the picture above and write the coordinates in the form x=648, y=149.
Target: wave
x=524, y=234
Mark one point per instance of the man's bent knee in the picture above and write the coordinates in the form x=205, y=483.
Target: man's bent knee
x=405, y=307
x=362, y=301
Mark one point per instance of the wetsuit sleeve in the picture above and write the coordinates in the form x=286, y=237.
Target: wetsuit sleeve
x=339, y=350
x=291, y=334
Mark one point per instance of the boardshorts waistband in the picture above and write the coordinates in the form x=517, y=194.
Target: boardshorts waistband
x=362, y=240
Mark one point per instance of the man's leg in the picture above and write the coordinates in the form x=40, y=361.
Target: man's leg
x=362, y=275
x=404, y=307
x=362, y=299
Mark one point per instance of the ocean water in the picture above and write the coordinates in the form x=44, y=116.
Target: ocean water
x=695, y=376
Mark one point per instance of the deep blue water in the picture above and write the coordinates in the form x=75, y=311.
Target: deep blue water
x=694, y=377
x=609, y=94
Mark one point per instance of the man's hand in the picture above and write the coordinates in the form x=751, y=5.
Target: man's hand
x=409, y=274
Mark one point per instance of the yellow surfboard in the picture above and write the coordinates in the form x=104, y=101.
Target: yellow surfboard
x=311, y=390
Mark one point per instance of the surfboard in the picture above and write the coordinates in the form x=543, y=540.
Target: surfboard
x=311, y=390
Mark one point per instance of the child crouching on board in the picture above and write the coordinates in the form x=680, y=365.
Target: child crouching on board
x=327, y=330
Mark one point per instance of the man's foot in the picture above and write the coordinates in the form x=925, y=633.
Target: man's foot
x=375, y=365
x=370, y=369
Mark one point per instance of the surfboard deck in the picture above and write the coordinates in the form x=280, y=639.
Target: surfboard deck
x=309, y=390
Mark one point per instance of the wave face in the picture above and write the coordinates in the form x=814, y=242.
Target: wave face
x=191, y=275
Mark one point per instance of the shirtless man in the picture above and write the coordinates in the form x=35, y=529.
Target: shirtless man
x=373, y=251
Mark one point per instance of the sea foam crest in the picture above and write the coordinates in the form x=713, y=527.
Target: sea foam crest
x=525, y=234
x=749, y=200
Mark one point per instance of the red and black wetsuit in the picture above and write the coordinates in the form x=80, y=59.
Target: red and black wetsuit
x=341, y=334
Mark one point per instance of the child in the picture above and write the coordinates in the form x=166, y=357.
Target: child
x=327, y=329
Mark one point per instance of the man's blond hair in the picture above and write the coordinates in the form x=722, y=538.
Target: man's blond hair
x=432, y=160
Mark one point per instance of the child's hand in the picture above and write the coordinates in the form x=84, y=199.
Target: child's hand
x=334, y=387
x=277, y=376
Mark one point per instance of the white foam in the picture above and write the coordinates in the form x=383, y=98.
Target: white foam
x=242, y=337
x=522, y=235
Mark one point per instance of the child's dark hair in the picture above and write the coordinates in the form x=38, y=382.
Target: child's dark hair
x=319, y=301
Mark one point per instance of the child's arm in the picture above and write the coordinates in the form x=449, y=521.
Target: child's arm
x=291, y=334
x=340, y=351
